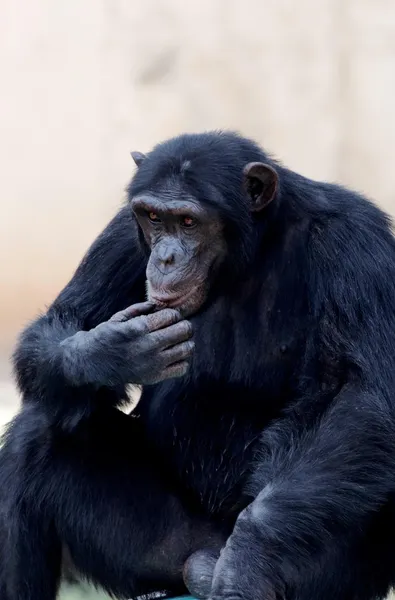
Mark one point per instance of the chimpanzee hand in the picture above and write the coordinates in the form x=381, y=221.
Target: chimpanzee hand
x=135, y=346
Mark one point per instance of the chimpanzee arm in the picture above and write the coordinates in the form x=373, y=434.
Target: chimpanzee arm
x=110, y=276
x=79, y=353
x=316, y=488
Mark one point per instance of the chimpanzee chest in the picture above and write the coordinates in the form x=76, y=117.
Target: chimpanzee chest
x=207, y=440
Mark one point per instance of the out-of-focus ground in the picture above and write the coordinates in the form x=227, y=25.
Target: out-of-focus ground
x=81, y=593
x=83, y=83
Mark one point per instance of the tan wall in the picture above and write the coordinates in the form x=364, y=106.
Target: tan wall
x=83, y=83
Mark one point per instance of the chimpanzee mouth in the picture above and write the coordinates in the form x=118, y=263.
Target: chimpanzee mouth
x=173, y=301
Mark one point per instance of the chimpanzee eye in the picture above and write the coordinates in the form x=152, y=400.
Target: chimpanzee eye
x=153, y=217
x=188, y=222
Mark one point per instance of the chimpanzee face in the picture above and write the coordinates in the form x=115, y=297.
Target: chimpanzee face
x=187, y=247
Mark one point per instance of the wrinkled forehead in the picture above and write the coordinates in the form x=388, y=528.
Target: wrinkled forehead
x=171, y=189
x=167, y=191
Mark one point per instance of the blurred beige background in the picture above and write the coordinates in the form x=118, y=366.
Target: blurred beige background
x=83, y=83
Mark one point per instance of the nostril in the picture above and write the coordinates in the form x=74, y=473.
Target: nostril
x=169, y=260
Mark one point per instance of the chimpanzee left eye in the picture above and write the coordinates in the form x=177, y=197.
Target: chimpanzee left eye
x=188, y=222
x=153, y=217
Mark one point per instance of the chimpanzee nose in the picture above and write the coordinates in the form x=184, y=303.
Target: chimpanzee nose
x=166, y=257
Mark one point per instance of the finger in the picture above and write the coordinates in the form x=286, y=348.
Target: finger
x=142, y=308
x=177, y=370
x=175, y=334
x=178, y=353
x=162, y=319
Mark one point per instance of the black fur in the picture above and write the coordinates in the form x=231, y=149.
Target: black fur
x=286, y=417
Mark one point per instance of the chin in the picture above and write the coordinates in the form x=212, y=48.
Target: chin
x=190, y=307
x=188, y=303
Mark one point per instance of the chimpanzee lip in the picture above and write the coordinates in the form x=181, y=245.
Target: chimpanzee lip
x=173, y=301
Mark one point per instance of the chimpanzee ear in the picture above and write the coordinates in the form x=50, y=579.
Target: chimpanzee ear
x=138, y=157
x=261, y=183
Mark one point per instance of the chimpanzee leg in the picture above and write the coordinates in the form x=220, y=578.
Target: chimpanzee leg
x=102, y=493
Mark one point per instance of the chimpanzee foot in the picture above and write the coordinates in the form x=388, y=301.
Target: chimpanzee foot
x=198, y=573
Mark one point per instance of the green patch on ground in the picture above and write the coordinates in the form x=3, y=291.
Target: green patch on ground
x=81, y=592
x=85, y=592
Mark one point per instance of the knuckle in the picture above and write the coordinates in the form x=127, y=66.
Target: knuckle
x=171, y=316
x=140, y=309
x=174, y=314
x=157, y=339
x=188, y=348
x=104, y=330
x=119, y=317
x=181, y=369
x=99, y=328
x=186, y=327
x=115, y=318
x=175, y=370
x=138, y=325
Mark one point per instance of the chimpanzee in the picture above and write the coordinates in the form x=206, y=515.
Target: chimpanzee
x=256, y=309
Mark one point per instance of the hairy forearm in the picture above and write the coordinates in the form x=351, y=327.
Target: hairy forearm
x=335, y=472
x=46, y=374
x=38, y=357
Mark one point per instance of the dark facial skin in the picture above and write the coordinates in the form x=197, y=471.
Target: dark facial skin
x=187, y=247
